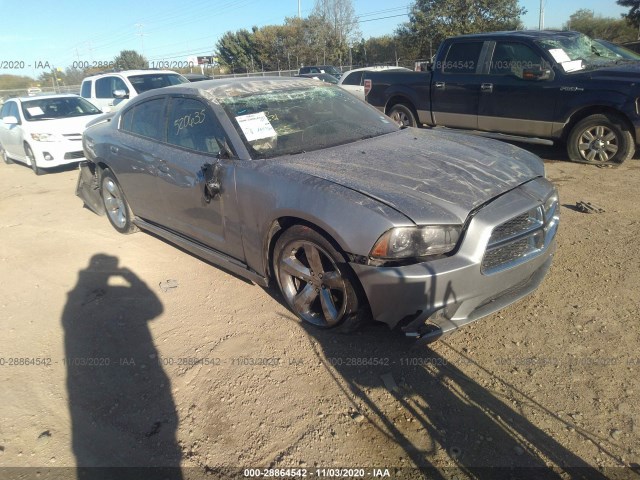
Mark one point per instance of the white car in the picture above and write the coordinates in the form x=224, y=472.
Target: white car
x=352, y=80
x=44, y=131
x=110, y=91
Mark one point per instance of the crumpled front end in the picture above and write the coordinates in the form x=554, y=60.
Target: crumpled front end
x=505, y=253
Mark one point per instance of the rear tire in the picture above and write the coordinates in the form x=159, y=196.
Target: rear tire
x=403, y=115
x=116, y=205
x=601, y=139
x=5, y=157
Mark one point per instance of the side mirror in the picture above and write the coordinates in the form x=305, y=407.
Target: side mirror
x=120, y=94
x=212, y=187
x=536, y=74
x=11, y=120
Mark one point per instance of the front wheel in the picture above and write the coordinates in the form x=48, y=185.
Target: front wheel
x=115, y=204
x=600, y=139
x=314, y=279
x=403, y=115
x=32, y=160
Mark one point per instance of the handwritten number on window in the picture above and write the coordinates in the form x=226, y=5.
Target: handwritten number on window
x=189, y=120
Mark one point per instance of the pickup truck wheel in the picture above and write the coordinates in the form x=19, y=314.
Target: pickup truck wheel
x=116, y=206
x=403, y=115
x=314, y=278
x=600, y=139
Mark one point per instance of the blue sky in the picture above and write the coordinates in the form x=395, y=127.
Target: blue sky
x=59, y=33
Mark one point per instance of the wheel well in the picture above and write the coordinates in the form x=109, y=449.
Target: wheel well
x=598, y=109
x=279, y=226
x=396, y=99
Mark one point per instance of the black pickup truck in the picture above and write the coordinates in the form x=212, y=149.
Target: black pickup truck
x=549, y=85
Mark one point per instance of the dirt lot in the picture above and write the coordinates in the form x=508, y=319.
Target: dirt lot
x=123, y=350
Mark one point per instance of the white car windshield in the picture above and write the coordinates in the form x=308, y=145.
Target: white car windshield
x=52, y=108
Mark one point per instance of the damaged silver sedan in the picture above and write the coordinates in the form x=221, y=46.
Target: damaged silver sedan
x=300, y=184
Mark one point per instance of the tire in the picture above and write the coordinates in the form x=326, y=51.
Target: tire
x=403, y=115
x=600, y=139
x=115, y=204
x=5, y=157
x=32, y=161
x=325, y=296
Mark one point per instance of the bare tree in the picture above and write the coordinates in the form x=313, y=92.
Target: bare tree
x=342, y=18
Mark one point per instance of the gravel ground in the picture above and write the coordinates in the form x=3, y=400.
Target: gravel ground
x=126, y=351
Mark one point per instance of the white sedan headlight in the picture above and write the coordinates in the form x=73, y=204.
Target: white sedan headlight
x=410, y=242
x=46, y=137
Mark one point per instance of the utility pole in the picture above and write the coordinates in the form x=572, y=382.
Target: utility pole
x=541, y=19
x=299, y=15
x=139, y=26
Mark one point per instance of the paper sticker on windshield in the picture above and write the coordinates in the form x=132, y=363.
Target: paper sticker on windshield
x=256, y=126
x=559, y=55
x=572, y=66
x=35, y=111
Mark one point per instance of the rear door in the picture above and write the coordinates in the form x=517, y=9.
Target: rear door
x=455, y=88
x=512, y=100
x=135, y=155
x=194, y=136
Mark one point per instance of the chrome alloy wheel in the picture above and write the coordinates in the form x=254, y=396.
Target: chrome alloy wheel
x=312, y=283
x=115, y=206
x=598, y=143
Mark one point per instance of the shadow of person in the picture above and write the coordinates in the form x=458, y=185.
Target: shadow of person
x=122, y=411
x=441, y=417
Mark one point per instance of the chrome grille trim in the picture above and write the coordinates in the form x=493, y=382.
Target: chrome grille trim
x=522, y=237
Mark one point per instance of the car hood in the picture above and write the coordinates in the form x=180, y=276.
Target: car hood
x=63, y=126
x=431, y=176
x=627, y=70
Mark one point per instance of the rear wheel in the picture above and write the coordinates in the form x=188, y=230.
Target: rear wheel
x=403, y=115
x=115, y=204
x=32, y=160
x=5, y=157
x=600, y=139
x=315, y=280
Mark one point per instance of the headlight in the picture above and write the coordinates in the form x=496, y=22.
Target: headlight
x=551, y=206
x=409, y=242
x=46, y=137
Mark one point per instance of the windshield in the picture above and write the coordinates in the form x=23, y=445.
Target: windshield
x=52, y=108
x=611, y=49
x=142, y=83
x=303, y=119
x=576, y=51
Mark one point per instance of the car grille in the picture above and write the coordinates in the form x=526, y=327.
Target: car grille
x=522, y=237
x=72, y=155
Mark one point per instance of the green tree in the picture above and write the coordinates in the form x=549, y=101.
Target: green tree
x=431, y=21
x=633, y=16
x=236, y=50
x=130, y=60
x=615, y=30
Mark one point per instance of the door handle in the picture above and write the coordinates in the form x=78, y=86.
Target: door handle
x=439, y=85
x=487, y=87
x=113, y=149
x=162, y=166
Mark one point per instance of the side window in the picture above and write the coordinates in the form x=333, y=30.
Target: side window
x=106, y=85
x=511, y=58
x=462, y=57
x=145, y=119
x=5, y=110
x=13, y=110
x=354, y=78
x=86, y=89
x=192, y=125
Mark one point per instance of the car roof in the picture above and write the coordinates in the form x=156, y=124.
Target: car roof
x=44, y=97
x=130, y=73
x=535, y=34
x=231, y=87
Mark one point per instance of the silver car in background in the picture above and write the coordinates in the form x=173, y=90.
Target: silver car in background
x=298, y=183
